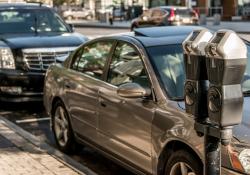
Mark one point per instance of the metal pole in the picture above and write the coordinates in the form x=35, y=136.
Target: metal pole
x=212, y=155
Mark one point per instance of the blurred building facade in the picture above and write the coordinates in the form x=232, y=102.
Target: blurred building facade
x=47, y=2
x=102, y=4
x=226, y=8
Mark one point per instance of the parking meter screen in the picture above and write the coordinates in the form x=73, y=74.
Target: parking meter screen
x=218, y=38
x=194, y=35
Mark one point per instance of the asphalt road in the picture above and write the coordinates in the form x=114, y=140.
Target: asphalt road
x=29, y=115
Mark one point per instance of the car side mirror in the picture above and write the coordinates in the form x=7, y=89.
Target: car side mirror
x=133, y=90
x=72, y=28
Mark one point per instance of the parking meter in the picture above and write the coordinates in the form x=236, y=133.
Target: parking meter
x=196, y=76
x=226, y=62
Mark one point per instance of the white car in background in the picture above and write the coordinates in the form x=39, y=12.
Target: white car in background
x=78, y=13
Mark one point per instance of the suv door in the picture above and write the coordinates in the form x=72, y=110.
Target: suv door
x=82, y=86
x=125, y=123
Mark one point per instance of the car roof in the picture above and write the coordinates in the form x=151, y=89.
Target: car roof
x=24, y=5
x=154, y=36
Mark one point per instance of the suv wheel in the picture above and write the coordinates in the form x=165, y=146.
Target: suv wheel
x=62, y=129
x=183, y=163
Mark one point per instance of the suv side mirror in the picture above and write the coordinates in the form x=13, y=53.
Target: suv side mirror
x=132, y=90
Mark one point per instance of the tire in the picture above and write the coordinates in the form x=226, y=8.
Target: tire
x=190, y=164
x=62, y=130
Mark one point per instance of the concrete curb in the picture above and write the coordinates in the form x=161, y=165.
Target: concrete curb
x=79, y=168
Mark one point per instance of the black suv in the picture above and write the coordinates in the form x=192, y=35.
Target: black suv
x=32, y=36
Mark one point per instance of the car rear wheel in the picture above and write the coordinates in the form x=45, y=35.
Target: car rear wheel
x=183, y=163
x=62, y=129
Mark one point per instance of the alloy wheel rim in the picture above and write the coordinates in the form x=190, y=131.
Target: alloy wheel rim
x=181, y=168
x=61, y=126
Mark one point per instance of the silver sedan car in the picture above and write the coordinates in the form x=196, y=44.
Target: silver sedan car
x=123, y=96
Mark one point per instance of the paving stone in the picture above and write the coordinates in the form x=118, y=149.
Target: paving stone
x=20, y=157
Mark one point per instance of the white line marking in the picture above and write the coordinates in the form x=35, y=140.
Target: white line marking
x=33, y=120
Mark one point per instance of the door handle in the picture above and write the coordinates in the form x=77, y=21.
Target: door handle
x=69, y=85
x=102, y=103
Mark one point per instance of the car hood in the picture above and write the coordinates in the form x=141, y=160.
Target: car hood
x=242, y=131
x=15, y=41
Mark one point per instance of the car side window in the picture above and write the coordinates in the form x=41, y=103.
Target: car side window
x=92, y=58
x=126, y=66
x=157, y=13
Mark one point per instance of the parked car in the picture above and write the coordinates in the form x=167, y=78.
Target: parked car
x=78, y=13
x=164, y=16
x=123, y=95
x=32, y=37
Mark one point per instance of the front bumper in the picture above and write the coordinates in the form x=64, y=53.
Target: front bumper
x=29, y=85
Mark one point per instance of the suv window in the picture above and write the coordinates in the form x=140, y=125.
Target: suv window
x=30, y=21
x=92, y=58
x=126, y=66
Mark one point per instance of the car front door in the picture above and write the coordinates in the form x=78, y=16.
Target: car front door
x=125, y=123
x=82, y=84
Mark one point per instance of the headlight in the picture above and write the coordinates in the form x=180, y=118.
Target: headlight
x=244, y=158
x=240, y=157
x=6, y=59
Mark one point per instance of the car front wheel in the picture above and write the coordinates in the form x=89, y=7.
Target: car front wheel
x=183, y=163
x=62, y=131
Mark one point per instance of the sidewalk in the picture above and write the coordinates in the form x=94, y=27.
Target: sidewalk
x=238, y=26
x=19, y=156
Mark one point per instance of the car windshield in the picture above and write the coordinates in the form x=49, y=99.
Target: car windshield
x=169, y=67
x=30, y=21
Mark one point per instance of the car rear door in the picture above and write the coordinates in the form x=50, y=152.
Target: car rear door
x=125, y=123
x=82, y=85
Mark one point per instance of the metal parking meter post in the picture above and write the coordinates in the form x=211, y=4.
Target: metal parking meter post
x=212, y=154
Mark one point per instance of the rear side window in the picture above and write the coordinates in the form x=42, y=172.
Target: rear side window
x=184, y=12
x=92, y=58
x=157, y=13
